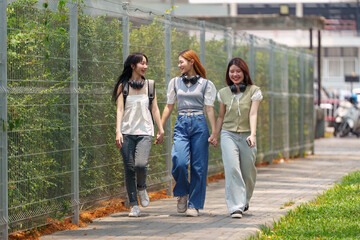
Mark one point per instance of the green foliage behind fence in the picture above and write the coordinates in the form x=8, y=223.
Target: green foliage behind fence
x=40, y=108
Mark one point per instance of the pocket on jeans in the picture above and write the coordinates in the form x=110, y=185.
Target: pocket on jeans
x=200, y=117
x=180, y=118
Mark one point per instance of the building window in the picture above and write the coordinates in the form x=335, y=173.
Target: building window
x=349, y=66
x=334, y=68
x=333, y=52
x=350, y=52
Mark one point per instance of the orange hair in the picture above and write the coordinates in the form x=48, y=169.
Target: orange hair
x=198, y=67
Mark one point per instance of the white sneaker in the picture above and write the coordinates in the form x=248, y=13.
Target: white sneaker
x=182, y=204
x=192, y=212
x=236, y=214
x=135, y=211
x=144, y=198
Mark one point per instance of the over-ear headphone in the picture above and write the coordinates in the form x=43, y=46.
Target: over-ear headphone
x=192, y=80
x=242, y=88
x=136, y=84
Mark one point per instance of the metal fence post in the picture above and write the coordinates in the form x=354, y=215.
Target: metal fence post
x=126, y=51
x=167, y=80
x=125, y=30
x=287, y=115
x=202, y=43
x=301, y=102
x=234, y=45
x=4, y=220
x=228, y=43
x=271, y=97
x=74, y=112
x=312, y=107
x=252, y=57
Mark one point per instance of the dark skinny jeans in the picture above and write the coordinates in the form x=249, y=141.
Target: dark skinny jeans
x=135, y=152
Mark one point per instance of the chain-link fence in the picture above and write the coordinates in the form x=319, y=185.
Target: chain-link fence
x=58, y=67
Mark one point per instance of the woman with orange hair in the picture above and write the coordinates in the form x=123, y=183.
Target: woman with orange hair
x=192, y=92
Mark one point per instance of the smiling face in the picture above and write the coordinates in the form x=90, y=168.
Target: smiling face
x=236, y=75
x=139, y=69
x=185, y=66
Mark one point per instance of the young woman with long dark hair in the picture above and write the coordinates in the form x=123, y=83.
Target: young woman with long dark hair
x=135, y=128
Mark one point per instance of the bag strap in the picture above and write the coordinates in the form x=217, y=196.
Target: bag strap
x=151, y=92
x=125, y=91
x=207, y=81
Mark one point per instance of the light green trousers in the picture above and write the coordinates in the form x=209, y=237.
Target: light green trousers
x=240, y=171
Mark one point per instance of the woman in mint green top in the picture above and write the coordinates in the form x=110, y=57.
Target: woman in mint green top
x=239, y=103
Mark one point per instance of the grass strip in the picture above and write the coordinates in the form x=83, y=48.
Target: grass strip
x=333, y=215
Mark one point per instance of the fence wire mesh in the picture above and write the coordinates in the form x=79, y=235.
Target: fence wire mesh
x=62, y=62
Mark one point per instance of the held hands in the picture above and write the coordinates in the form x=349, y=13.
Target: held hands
x=159, y=137
x=213, y=139
x=119, y=140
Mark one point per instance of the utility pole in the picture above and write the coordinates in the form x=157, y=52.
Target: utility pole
x=311, y=39
x=357, y=19
x=319, y=66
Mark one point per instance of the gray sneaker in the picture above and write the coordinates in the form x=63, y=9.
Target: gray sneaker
x=135, y=211
x=144, y=198
x=182, y=204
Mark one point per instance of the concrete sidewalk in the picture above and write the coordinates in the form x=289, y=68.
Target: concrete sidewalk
x=297, y=180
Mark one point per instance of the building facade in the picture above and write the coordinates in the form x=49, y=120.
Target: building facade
x=340, y=39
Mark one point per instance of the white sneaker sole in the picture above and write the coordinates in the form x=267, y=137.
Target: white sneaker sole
x=236, y=215
x=131, y=215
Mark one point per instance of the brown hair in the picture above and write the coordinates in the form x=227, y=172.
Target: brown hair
x=198, y=67
x=244, y=68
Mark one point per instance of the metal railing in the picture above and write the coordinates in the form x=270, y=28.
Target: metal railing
x=58, y=65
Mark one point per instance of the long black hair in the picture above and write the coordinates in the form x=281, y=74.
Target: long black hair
x=132, y=59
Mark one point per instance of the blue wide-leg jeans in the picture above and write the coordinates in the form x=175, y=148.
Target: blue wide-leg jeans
x=191, y=146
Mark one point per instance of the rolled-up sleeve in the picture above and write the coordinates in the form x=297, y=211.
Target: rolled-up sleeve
x=210, y=94
x=171, y=95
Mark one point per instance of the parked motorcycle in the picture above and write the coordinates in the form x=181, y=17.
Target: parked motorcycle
x=340, y=114
x=347, y=119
